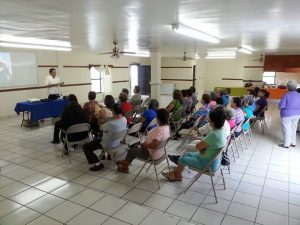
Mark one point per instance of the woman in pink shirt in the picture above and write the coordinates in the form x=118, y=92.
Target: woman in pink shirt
x=229, y=114
x=150, y=148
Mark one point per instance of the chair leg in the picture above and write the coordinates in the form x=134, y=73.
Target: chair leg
x=156, y=176
x=228, y=167
x=232, y=150
x=213, y=186
x=148, y=168
x=245, y=140
x=223, y=179
x=192, y=182
x=69, y=154
x=168, y=163
x=139, y=172
x=236, y=147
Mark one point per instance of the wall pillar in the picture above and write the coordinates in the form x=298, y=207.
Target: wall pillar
x=155, y=75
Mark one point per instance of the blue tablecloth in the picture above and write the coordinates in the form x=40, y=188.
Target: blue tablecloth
x=42, y=110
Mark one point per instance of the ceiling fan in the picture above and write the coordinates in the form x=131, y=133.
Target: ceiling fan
x=260, y=59
x=115, y=52
x=185, y=58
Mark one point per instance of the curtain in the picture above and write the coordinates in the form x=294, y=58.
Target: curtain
x=105, y=73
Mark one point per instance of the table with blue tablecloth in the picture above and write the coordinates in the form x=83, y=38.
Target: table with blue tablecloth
x=41, y=110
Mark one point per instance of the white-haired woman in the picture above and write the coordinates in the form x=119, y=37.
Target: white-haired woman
x=290, y=114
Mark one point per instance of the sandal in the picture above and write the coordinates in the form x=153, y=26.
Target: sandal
x=121, y=167
x=171, y=177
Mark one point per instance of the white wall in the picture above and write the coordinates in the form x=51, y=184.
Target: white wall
x=213, y=70
x=283, y=78
x=69, y=76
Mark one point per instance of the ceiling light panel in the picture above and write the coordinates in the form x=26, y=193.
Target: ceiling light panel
x=31, y=46
x=194, y=33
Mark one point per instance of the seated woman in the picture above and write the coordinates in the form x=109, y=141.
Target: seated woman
x=150, y=147
x=236, y=104
x=201, y=133
x=187, y=104
x=117, y=124
x=89, y=111
x=176, y=104
x=103, y=114
x=251, y=95
x=126, y=91
x=207, y=105
x=72, y=114
x=207, y=149
x=149, y=114
x=261, y=103
x=225, y=94
x=136, y=98
x=247, y=108
x=230, y=117
x=125, y=106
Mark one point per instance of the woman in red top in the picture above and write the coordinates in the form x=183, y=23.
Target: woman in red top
x=125, y=105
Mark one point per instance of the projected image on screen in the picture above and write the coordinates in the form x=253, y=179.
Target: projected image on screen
x=5, y=67
x=17, y=69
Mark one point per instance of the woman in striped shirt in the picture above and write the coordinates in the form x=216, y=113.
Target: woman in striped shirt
x=236, y=104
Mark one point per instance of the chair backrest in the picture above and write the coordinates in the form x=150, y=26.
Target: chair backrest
x=262, y=112
x=129, y=114
x=135, y=128
x=119, y=135
x=152, y=123
x=78, y=128
x=217, y=155
x=240, y=126
x=176, y=114
x=163, y=145
x=247, y=121
x=233, y=130
x=137, y=103
x=140, y=110
x=146, y=102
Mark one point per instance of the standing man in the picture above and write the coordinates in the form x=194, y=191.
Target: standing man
x=53, y=83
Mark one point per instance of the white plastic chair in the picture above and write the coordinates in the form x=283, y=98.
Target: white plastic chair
x=207, y=171
x=261, y=118
x=156, y=162
x=152, y=123
x=146, y=102
x=77, y=128
x=135, y=129
x=247, y=132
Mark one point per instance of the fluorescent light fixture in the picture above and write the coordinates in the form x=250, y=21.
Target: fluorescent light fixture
x=221, y=54
x=244, y=50
x=193, y=33
x=34, y=41
x=220, y=57
x=138, y=54
x=32, y=46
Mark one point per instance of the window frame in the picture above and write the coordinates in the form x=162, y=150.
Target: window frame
x=130, y=83
x=101, y=80
x=269, y=75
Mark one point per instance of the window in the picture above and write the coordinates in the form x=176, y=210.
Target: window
x=97, y=80
x=134, y=77
x=269, y=77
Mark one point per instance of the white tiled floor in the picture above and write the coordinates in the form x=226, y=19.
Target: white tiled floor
x=37, y=186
